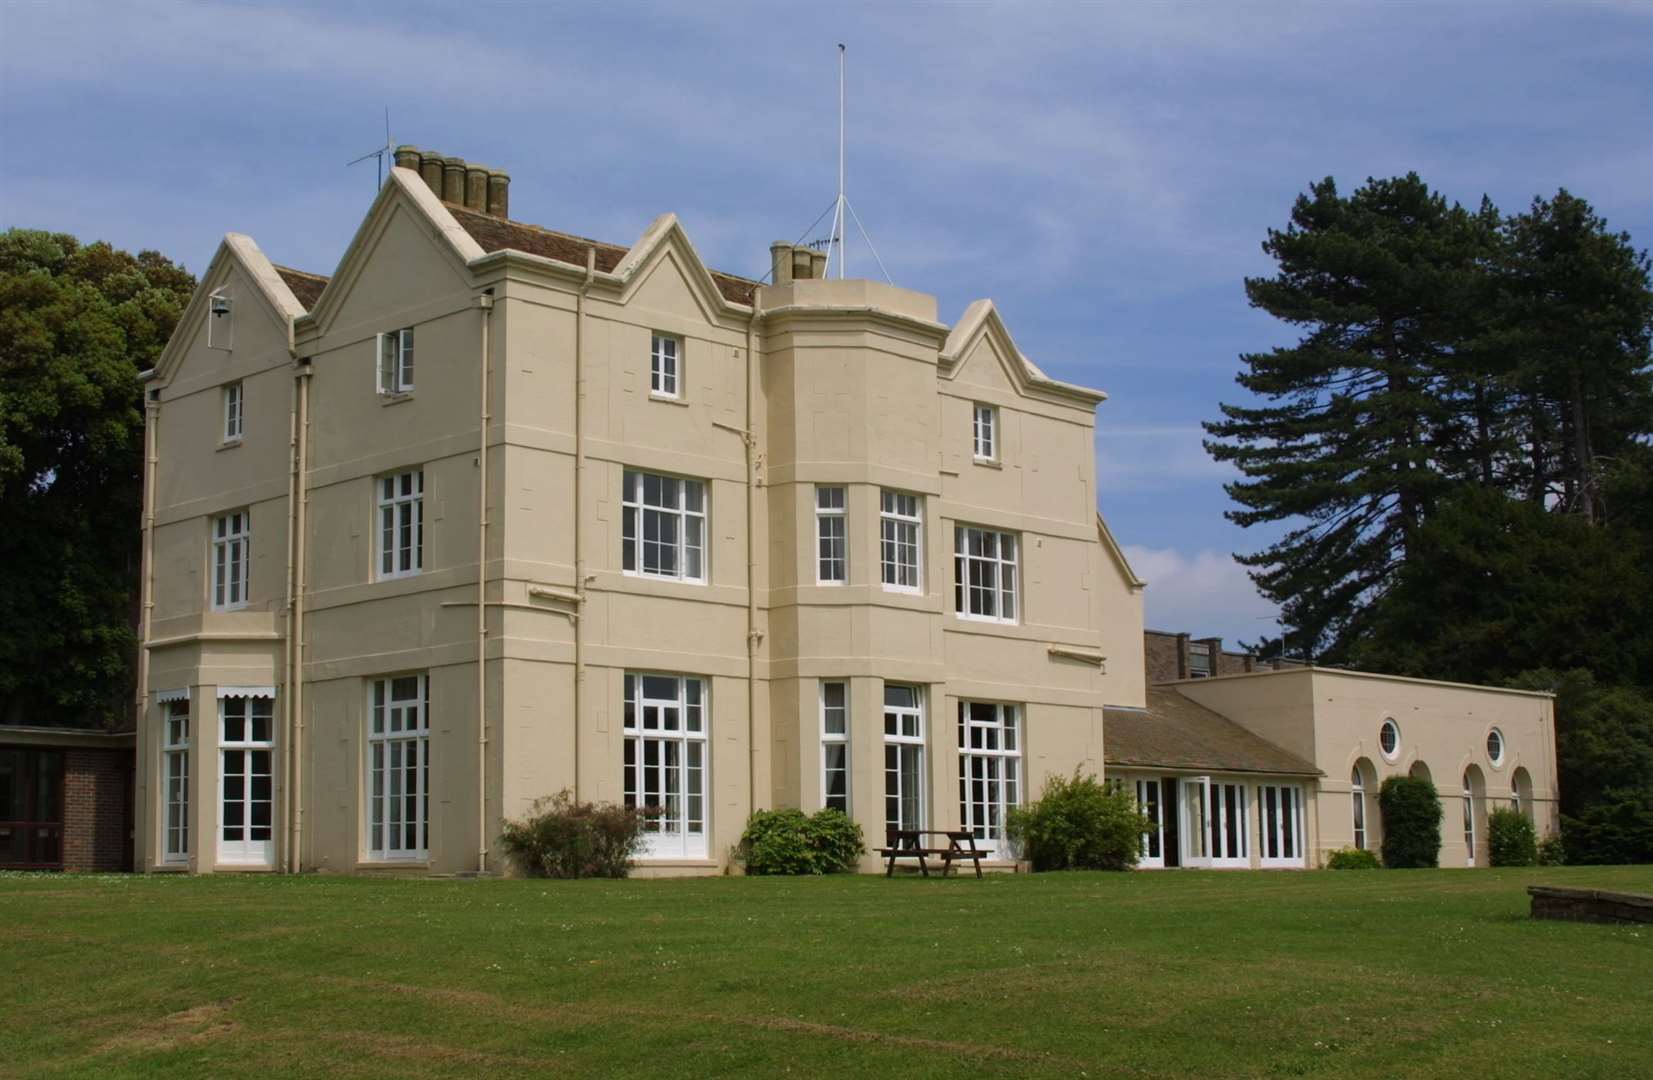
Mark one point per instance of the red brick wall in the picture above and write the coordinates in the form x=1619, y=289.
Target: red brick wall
x=1163, y=654
x=97, y=814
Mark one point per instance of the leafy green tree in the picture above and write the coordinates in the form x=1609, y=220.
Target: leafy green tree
x=1359, y=432
x=77, y=324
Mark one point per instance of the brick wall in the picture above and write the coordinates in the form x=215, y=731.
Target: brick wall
x=1165, y=655
x=97, y=801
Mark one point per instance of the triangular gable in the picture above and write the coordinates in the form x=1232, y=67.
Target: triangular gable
x=1117, y=553
x=238, y=250
x=666, y=238
x=982, y=319
x=404, y=190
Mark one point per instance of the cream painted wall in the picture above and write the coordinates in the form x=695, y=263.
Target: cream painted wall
x=848, y=385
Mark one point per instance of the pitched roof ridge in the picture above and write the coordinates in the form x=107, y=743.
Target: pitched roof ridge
x=283, y=268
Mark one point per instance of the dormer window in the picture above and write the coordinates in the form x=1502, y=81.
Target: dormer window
x=220, y=321
x=396, y=362
x=986, y=432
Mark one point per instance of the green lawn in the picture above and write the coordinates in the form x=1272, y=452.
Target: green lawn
x=1195, y=973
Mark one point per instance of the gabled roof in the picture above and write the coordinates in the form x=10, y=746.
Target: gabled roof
x=270, y=287
x=498, y=234
x=1174, y=732
x=983, y=318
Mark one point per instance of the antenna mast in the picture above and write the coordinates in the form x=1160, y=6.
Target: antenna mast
x=838, y=222
x=381, y=153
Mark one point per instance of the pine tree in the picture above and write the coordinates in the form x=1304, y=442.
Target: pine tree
x=1361, y=429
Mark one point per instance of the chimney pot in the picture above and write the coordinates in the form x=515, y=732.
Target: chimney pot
x=780, y=262
x=407, y=157
x=499, y=194
x=430, y=170
x=817, y=264
x=453, y=180
x=476, y=188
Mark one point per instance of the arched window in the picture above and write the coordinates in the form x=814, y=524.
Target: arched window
x=1469, y=819
x=1521, y=792
x=1357, y=798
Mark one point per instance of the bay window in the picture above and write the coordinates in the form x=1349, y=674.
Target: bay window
x=398, y=768
x=666, y=751
x=903, y=757
x=990, y=760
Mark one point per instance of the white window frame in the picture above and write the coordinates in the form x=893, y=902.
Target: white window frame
x=1388, y=724
x=835, y=741
x=990, y=765
x=1503, y=747
x=666, y=366
x=686, y=514
x=1357, y=807
x=246, y=849
x=175, y=781
x=904, y=739
x=1469, y=822
x=831, y=534
x=393, y=362
x=398, y=728
x=984, y=432
x=234, y=411
x=901, y=540
x=232, y=541
x=399, y=524
x=1002, y=571
x=1280, y=825
x=1205, y=815
x=674, y=724
x=1150, y=797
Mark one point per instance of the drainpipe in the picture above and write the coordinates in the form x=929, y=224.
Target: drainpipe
x=300, y=530
x=579, y=489
x=485, y=303
x=146, y=588
x=753, y=635
x=288, y=717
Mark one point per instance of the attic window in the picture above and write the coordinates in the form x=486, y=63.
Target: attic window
x=396, y=362
x=220, y=321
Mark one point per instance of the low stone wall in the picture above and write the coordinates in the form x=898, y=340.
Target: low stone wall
x=1590, y=905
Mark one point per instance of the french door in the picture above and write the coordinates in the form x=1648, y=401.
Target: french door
x=246, y=781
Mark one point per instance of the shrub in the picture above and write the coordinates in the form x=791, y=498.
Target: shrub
x=1078, y=824
x=1619, y=829
x=1352, y=858
x=1411, y=822
x=563, y=838
x=1511, y=839
x=788, y=842
x=1551, y=852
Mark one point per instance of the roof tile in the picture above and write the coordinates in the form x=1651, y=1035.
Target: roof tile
x=1175, y=732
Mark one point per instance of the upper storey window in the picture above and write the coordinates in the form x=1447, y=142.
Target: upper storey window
x=401, y=532
x=664, y=526
x=396, y=362
x=232, y=412
x=986, y=432
x=984, y=574
x=232, y=538
x=900, y=534
x=832, y=557
x=665, y=360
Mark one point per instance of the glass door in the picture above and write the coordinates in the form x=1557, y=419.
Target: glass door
x=1196, y=821
x=246, y=781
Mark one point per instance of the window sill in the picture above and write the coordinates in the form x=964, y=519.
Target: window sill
x=672, y=860
x=988, y=463
x=230, y=444
x=984, y=620
x=395, y=398
x=168, y=867
x=638, y=575
x=904, y=590
x=227, y=609
x=393, y=864
x=403, y=576
x=667, y=399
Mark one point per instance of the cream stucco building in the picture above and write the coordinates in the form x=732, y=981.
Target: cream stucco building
x=495, y=512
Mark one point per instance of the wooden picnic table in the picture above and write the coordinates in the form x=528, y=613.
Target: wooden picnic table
x=910, y=844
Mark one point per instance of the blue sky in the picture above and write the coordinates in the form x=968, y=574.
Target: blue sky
x=1105, y=172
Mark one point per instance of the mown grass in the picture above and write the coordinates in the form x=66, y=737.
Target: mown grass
x=1370, y=974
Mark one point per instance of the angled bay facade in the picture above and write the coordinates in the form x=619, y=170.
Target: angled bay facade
x=494, y=512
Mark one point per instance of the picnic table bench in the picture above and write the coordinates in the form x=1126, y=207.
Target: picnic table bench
x=910, y=844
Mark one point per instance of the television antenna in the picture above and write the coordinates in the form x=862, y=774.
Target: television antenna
x=842, y=210
x=387, y=150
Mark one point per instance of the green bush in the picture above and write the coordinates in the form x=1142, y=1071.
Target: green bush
x=788, y=842
x=1078, y=824
x=1511, y=838
x=1352, y=858
x=1411, y=822
x=1619, y=829
x=1551, y=852
x=562, y=838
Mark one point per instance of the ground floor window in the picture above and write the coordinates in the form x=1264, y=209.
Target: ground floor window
x=835, y=746
x=903, y=757
x=246, y=748
x=1280, y=825
x=1357, y=796
x=175, y=751
x=1469, y=820
x=1153, y=838
x=665, y=762
x=31, y=809
x=398, y=768
x=990, y=770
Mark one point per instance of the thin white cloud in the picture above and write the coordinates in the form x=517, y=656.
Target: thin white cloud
x=1205, y=593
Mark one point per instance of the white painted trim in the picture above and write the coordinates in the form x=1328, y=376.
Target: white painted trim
x=246, y=691
x=163, y=697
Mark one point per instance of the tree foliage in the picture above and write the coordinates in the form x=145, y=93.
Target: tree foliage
x=1411, y=822
x=77, y=324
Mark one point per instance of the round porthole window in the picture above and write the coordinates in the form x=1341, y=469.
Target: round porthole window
x=1495, y=746
x=1389, y=739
